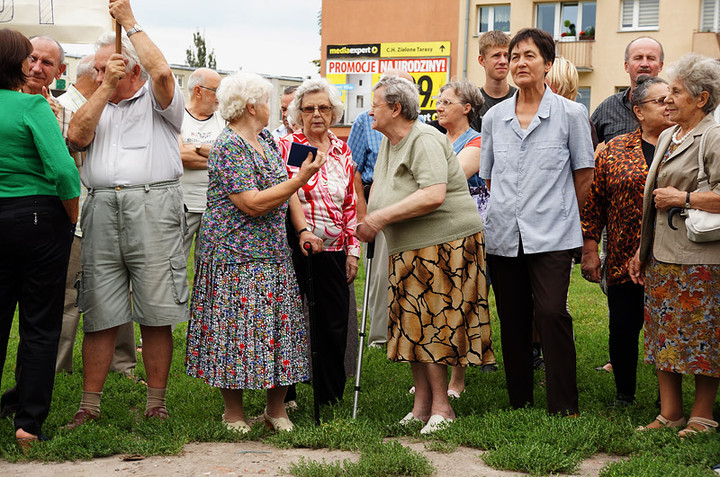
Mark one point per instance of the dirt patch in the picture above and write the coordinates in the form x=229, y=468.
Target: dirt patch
x=256, y=459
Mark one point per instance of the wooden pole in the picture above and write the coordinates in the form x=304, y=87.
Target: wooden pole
x=118, y=42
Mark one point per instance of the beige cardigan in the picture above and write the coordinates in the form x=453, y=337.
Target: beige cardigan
x=679, y=171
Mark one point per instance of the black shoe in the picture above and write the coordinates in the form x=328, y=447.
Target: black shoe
x=9, y=404
x=537, y=359
x=488, y=368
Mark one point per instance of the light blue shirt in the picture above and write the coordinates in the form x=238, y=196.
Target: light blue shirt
x=364, y=142
x=459, y=145
x=531, y=171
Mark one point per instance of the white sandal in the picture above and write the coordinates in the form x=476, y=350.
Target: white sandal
x=665, y=423
x=706, y=425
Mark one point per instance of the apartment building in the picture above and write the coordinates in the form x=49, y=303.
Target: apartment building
x=592, y=34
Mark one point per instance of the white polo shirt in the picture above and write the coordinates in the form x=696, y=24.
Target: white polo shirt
x=136, y=142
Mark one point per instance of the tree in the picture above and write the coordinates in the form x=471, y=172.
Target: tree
x=197, y=55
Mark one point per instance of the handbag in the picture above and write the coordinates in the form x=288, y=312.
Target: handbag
x=702, y=226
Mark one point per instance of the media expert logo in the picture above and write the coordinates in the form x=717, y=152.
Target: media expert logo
x=368, y=50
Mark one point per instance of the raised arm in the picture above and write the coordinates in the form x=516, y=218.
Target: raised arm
x=163, y=82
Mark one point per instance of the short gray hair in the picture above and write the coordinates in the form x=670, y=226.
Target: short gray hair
x=240, y=89
x=698, y=73
x=86, y=67
x=49, y=38
x=468, y=93
x=128, y=51
x=318, y=85
x=399, y=90
x=196, y=79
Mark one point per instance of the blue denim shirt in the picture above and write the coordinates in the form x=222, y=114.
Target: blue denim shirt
x=532, y=191
x=364, y=142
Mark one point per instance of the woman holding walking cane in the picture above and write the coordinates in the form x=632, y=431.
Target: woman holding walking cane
x=438, y=291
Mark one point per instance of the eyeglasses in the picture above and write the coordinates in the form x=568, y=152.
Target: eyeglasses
x=659, y=100
x=373, y=106
x=445, y=103
x=214, y=90
x=323, y=109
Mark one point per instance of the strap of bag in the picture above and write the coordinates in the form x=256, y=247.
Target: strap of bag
x=703, y=184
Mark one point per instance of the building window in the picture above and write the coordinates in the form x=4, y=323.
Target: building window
x=180, y=80
x=494, y=17
x=567, y=20
x=583, y=97
x=709, y=15
x=639, y=14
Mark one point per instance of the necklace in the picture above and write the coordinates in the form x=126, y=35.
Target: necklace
x=677, y=141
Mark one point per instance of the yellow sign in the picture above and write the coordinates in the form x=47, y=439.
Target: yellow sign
x=409, y=50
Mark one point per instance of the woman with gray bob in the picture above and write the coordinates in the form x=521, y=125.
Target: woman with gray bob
x=682, y=277
x=438, y=292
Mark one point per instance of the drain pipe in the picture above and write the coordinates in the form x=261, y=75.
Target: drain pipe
x=467, y=37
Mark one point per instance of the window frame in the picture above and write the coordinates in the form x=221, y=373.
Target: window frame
x=491, y=17
x=715, y=28
x=636, y=17
x=558, y=25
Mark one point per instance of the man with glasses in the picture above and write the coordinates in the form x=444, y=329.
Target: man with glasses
x=614, y=116
x=201, y=125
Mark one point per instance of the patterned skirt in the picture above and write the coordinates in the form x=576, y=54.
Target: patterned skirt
x=438, y=304
x=246, y=328
x=682, y=318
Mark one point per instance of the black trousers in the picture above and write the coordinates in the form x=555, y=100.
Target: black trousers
x=331, y=295
x=626, y=309
x=35, y=237
x=535, y=287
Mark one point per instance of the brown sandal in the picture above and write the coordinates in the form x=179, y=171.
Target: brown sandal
x=157, y=413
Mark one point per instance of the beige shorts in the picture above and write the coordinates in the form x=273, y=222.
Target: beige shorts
x=133, y=237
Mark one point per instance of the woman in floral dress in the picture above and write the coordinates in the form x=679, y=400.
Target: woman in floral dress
x=246, y=329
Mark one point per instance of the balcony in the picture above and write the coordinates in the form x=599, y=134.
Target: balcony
x=706, y=43
x=579, y=52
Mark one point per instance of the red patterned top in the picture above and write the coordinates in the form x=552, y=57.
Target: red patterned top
x=328, y=198
x=615, y=202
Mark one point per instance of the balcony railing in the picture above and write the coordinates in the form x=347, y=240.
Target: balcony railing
x=579, y=52
x=706, y=43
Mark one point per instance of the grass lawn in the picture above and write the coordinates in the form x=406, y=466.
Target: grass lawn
x=526, y=440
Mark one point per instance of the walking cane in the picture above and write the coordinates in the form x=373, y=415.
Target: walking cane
x=366, y=295
x=313, y=333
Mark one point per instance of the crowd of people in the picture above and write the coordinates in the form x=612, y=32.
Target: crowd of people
x=504, y=189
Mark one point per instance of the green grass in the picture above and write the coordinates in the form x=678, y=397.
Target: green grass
x=525, y=440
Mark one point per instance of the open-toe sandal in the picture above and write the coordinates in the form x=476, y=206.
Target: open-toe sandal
x=665, y=422
x=698, y=424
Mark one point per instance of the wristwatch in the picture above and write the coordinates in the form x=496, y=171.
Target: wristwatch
x=135, y=29
x=687, y=200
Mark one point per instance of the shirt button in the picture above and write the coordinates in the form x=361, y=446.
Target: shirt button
x=664, y=174
x=661, y=222
x=519, y=194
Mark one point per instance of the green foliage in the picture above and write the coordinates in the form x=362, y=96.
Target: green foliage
x=197, y=55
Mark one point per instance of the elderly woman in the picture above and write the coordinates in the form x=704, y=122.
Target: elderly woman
x=246, y=329
x=458, y=105
x=39, y=190
x=681, y=277
x=615, y=202
x=438, y=292
x=537, y=158
x=328, y=200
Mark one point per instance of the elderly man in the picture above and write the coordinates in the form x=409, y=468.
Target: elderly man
x=614, y=116
x=133, y=224
x=47, y=63
x=201, y=125
x=124, y=358
x=285, y=128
